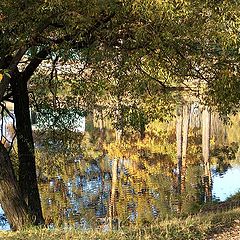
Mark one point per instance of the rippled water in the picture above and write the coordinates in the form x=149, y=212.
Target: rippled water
x=83, y=200
x=93, y=193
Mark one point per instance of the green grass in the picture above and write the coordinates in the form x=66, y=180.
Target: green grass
x=194, y=227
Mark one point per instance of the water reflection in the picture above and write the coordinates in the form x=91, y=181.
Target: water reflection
x=86, y=200
x=92, y=199
x=79, y=200
x=227, y=184
x=85, y=187
x=3, y=221
x=83, y=200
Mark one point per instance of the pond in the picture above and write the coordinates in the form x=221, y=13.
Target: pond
x=82, y=201
x=124, y=186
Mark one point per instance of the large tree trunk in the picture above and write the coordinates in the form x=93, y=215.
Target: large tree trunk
x=206, y=131
x=12, y=203
x=27, y=169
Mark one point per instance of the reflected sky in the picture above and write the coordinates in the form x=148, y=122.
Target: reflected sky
x=227, y=184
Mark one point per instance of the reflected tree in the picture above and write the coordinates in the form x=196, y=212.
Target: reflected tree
x=182, y=128
x=206, y=134
x=113, y=220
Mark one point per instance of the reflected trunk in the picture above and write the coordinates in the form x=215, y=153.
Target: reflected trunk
x=112, y=203
x=179, y=126
x=185, y=128
x=206, y=131
x=182, y=127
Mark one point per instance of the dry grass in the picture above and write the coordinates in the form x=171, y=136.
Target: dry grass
x=195, y=227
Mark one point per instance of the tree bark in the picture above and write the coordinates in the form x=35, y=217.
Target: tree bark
x=13, y=204
x=27, y=168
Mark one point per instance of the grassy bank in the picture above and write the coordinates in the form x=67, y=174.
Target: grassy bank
x=195, y=227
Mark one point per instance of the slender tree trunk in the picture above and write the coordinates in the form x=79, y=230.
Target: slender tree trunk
x=119, y=129
x=179, y=125
x=89, y=122
x=27, y=169
x=185, y=128
x=142, y=125
x=13, y=204
x=206, y=131
x=118, y=135
x=102, y=127
x=112, y=203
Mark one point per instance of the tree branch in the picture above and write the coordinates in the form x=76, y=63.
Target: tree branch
x=6, y=78
x=35, y=62
x=87, y=35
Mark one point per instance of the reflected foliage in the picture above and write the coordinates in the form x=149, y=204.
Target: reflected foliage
x=223, y=156
x=78, y=177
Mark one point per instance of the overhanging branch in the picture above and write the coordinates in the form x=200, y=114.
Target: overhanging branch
x=6, y=78
x=35, y=62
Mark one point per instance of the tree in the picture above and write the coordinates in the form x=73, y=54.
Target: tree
x=35, y=37
x=150, y=48
x=27, y=169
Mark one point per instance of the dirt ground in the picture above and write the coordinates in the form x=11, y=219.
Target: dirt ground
x=232, y=233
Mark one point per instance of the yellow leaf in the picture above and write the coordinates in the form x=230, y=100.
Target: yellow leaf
x=1, y=77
